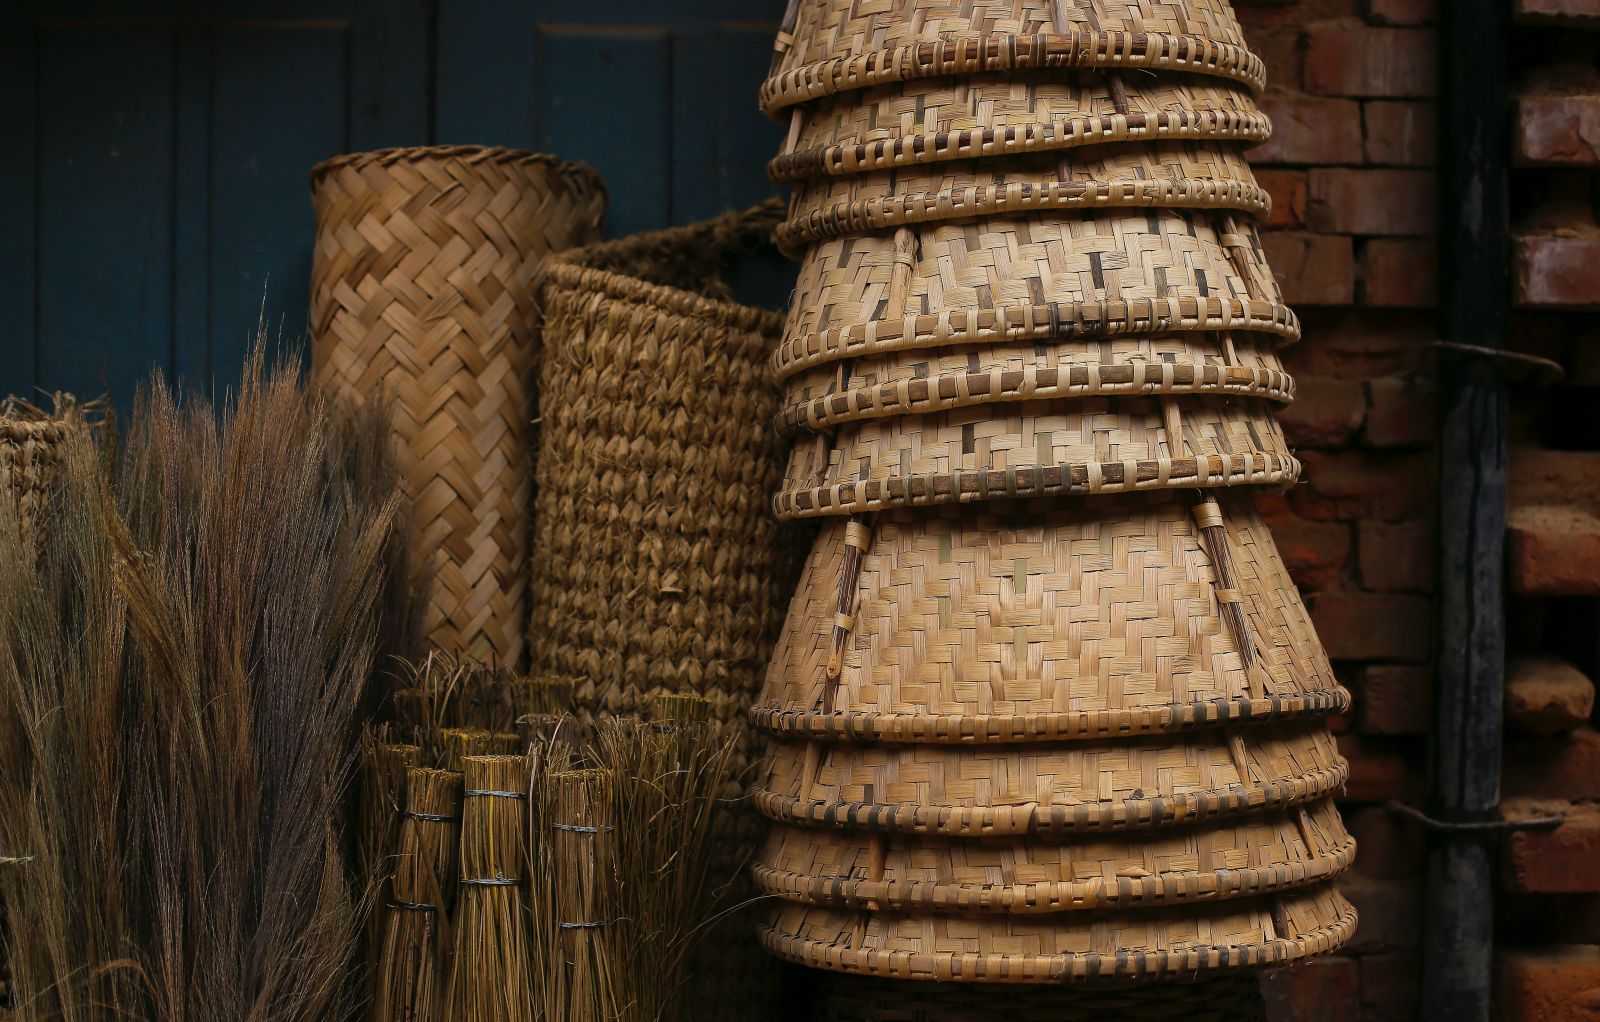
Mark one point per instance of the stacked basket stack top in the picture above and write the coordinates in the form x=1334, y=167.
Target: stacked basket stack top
x=1046, y=707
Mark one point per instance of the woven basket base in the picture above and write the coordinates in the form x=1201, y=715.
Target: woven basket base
x=1219, y=999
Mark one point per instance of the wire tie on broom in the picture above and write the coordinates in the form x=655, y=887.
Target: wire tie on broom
x=413, y=906
x=491, y=793
x=581, y=926
x=575, y=828
x=429, y=817
x=491, y=881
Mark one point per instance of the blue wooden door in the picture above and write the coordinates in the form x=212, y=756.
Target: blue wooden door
x=154, y=206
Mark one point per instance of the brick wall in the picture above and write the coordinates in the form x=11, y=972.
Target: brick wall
x=1351, y=171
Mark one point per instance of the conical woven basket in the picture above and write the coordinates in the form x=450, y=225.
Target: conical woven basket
x=1002, y=279
x=1182, y=941
x=1199, y=174
x=828, y=46
x=927, y=122
x=922, y=381
x=1016, y=621
x=1033, y=449
x=1227, y=997
x=422, y=287
x=857, y=869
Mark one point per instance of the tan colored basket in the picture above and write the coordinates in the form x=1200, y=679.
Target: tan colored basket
x=1199, y=174
x=656, y=567
x=923, y=123
x=422, y=286
x=30, y=456
x=828, y=46
x=858, y=869
x=1182, y=941
x=1035, y=449
x=1017, y=621
x=1227, y=997
x=1024, y=790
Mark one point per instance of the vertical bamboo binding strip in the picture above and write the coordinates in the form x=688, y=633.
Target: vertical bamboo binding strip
x=422, y=285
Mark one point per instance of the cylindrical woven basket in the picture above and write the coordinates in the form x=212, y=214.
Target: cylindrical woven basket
x=1200, y=174
x=829, y=46
x=1022, y=621
x=922, y=381
x=924, y=123
x=30, y=456
x=422, y=288
x=1224, y=998
x=1133, y=944
x=864, y=869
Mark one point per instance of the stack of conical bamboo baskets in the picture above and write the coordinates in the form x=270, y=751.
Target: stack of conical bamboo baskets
x=1046, y=708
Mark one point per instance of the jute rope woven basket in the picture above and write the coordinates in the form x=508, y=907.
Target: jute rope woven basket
x=862, y=869
x=924, y=123
x=30, y=453
x=921, y=381
x=1200, y=174
x=422, y=287
x=1023, y=621
x=1044, y=276
x=829, y=46
x=1222, y=998
x=1035, y=449
x=1133, y=944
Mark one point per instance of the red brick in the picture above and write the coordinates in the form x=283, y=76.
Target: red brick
x=1313, y=269
x=1391, y=988
x=1546, y=695
x=1540, y=476
x=1557, y=983
x=1400, y=273
x=1558, y=130
x=1342, y=61
x=1401, y=412
x=1553, y=551
x=1377, y=773
x=1361, y=343
x=1392, y=486
x=1326, y=412
x=1565, y=860
x=1582, y=13
x=1320, y=990
x=1402, y=12
x=1400, y=132
x=1288, y=191
x=1388, y=846
x=1347, y=200
x=1309, y=130
x=1374, y=626
x=1314, y=552
x=1553, y=271
x=1390, y=913
x=1396, y=699
x=1396, y=558
x=1563, y=767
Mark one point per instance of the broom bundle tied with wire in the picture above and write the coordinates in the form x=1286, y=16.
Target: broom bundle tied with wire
x=416, y=929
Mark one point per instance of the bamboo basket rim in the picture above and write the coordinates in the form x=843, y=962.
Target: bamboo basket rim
x=391, y=155
x=1079, y=48
x=1064, y=968
x=1050, y=321
x=1002, y=729
x=940, y=392
x=570, y=269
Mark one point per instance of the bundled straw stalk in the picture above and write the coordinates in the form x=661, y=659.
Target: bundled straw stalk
x=490, y=982
x=416, y=933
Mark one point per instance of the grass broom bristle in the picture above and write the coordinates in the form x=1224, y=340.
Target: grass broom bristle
x=416, y=929
x=491, y=965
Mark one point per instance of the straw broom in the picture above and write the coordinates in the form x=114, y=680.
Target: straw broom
x=416, y=930
x=384, y=766
x=491, y=968
x=577, y=877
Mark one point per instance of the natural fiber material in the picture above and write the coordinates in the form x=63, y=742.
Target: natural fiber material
x=656, y=567
x=826, y=46
x=1179, y=942
x=411, y=968
x=30, y=456
x=1026, y=876
x=1021, y=621
x=919, y=124
x=1066, y=275
x=491, y=967
x=917, y=382
x=422, y=286
x=1200, y=174
x=1224, y=998
x=1035, y=449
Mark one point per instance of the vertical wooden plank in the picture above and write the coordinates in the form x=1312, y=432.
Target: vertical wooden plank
x=605, y=97
x=105, y=207
x=276, y=110
x=747, y=138
x=485, y=85
x=191, y=241
x=390, y=73
x=18, y=195
x=697, y=186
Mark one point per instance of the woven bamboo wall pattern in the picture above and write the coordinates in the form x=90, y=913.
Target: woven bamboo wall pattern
x=924, y=123
x=1222, y=998
x=1011, y=622
x=1201, y=174
x=1069, y=947
x=422, y=286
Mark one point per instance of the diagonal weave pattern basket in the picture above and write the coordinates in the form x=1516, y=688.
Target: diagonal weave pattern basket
x=422, y=288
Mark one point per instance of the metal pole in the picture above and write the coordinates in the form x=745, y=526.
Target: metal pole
x=1474, y=278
